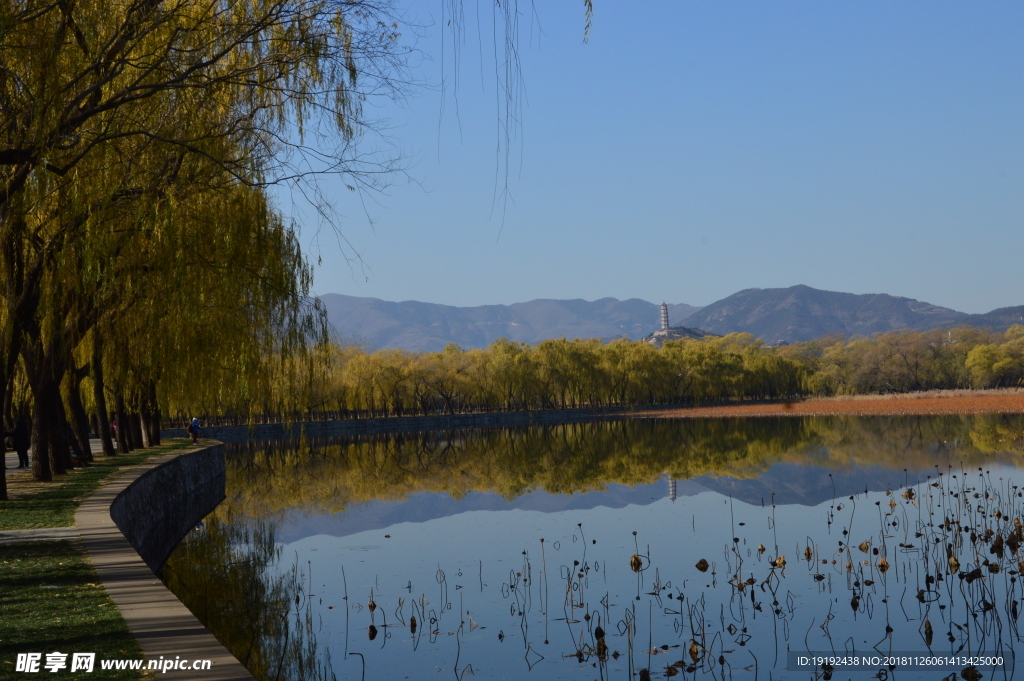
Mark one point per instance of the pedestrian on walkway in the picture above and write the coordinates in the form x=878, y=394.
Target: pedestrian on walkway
x=193, y=428
x=21, y=438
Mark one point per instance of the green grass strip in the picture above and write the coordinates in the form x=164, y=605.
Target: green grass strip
x=55, y=505
x=53, y=601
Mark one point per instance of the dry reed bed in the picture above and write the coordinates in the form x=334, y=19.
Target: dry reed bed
x=936, y=402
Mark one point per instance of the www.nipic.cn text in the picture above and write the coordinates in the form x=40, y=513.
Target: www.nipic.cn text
x=29, y=663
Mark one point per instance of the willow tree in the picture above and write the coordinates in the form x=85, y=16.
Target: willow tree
x=105, y=111
x=237, y=303
x=136, y=90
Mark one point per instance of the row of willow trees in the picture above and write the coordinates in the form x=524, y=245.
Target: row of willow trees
x=349, y=382
x=141, y=258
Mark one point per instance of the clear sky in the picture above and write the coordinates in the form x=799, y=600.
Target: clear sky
x=693, y=149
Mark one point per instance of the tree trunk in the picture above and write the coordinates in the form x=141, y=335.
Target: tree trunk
x=8, y=411
x=147, y=430
x=40, y=443
x=150, y=416
x=76, y=410
x=154, y=436
x=10, y=343
x=3, y=459
x=100, y=397
x=60, y=455
x=123, y=429
x=40, y=448
x=137, y=437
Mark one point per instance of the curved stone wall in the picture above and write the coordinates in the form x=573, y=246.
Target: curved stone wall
x=156, y=511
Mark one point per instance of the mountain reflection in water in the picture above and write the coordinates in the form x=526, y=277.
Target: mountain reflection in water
x=446, y=528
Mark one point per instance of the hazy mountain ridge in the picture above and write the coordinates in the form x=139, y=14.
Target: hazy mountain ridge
x=797, y=313
x=999, y=319
x=802, y=313
x=417, y=326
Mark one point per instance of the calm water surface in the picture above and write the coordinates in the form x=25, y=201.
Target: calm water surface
x=631, y=550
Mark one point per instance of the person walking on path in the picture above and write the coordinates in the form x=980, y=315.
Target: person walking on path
x=21, y=438
x=193, y=428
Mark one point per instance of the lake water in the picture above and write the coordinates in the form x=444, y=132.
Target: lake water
x=624, y=550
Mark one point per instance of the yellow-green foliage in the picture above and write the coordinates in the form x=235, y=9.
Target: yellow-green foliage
x=993, y=365
x=138, y=139
x=563, y=373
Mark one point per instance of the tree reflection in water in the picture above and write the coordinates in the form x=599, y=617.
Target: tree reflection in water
x=931, y=567
x=226, y=573
x=326, y=476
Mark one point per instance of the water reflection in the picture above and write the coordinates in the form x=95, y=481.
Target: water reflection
x=230, y=576
x=567, y=553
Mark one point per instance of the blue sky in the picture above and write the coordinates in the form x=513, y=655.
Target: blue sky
x=691, y=150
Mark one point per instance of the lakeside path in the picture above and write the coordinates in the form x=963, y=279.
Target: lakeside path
x=873, y=405
x=112, y=574
x=162, y=625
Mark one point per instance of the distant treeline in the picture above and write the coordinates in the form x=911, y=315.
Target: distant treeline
x=350, y=382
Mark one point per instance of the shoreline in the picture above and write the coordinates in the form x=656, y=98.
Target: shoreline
x=933, y=402
x=161, y=625
x=912, y=404
x=155, y=617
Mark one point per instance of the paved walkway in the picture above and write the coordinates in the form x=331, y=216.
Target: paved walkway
x=162, y=625
x=42, y=533
x=38, y=534
x=157, y=619
x=11, y=458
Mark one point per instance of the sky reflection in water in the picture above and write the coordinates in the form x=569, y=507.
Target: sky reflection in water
x=492, y=600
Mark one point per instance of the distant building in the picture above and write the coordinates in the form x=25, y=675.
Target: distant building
x=668, y=333
x=671, y=488
x=664, y=321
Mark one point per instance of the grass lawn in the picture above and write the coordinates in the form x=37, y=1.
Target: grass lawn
x=53, y=504
x=53, y=601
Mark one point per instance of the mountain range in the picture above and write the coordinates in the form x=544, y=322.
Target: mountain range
x=802, y=313
x=428, y=327
x=777, y=315
x=784, y=483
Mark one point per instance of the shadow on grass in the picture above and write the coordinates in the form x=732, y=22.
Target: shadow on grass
x=76, y=617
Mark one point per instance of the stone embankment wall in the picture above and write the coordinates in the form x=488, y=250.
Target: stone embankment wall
x=156, y=511
x=403, y=424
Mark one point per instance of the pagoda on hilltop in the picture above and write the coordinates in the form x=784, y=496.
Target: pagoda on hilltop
x=668, y=333
x=664, y=321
